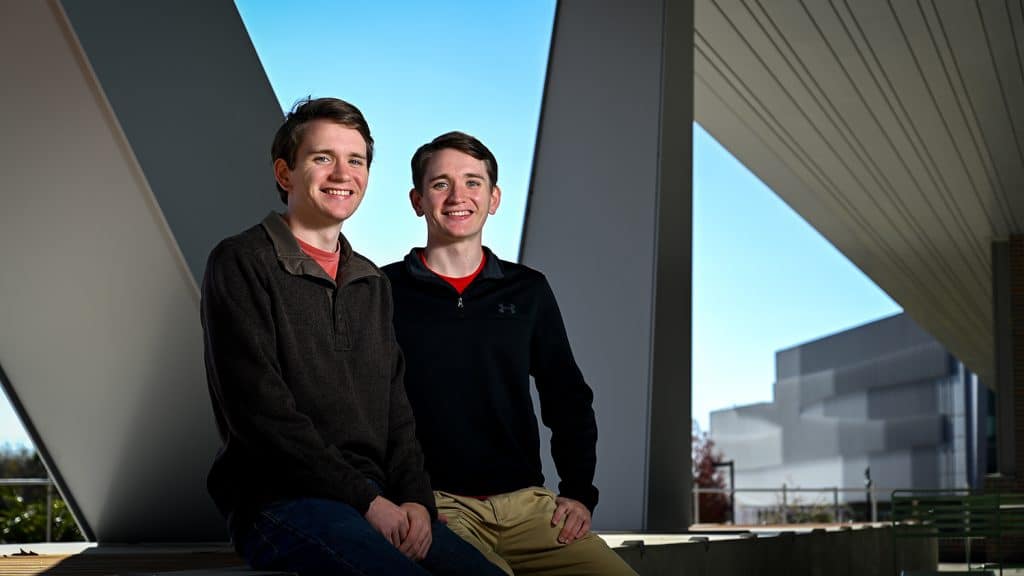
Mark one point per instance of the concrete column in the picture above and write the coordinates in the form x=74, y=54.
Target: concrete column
x=1003, y=328
x=1008, y=304
x=1008, y=314
x=1012, y=352
x=609, y=222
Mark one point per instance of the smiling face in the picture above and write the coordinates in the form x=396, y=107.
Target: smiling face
x=329, y=178
x=455, y=197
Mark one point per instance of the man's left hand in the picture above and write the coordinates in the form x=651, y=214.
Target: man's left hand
x=576, y=517
x=417, y=541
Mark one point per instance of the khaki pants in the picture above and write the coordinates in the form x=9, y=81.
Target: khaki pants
x=514, y=532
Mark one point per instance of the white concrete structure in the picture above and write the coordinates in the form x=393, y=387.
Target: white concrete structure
x=884, y=396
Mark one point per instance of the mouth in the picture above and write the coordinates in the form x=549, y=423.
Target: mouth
x=457, y=213
x=338, y=192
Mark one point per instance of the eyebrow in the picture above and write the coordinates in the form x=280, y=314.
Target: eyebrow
x=330, y=152
x=445, y=176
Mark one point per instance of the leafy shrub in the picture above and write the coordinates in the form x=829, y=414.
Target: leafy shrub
x=23, y=508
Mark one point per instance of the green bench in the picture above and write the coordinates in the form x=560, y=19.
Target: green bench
x=957, y=513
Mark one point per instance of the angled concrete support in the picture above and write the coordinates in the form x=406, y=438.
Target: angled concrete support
x=609, y=222
x=121, y=168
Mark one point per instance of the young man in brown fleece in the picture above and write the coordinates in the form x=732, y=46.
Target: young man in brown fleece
x=320, y=472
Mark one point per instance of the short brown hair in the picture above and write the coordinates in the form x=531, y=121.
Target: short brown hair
x=289, y=136
x=456, y=141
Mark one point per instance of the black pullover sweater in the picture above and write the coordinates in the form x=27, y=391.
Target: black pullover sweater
x=305, y=377
x=469, y=359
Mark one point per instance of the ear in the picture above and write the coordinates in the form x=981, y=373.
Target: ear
x=414, y=198
x=283, y=174
x=495, y=200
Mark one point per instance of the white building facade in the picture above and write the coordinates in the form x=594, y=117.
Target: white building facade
x=884, y=397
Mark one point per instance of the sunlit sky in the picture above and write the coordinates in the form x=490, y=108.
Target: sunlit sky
x=416, y=70
x=763, y=279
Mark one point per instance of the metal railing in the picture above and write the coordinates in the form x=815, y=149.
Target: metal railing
x=24, y=482
x=786, y=491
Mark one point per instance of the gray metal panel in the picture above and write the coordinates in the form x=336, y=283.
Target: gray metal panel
x=191, y=96
x=100, y=338
x=609, y=144
x=852, y=346
x=100, y=342
x=670, y=476
x=896, y=401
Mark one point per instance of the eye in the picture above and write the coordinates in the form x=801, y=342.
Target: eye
x=439, y=185
x=473, y=184
x=356, y=162
x=321, y=159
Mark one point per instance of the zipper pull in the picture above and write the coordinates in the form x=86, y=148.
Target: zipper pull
x=460, y=305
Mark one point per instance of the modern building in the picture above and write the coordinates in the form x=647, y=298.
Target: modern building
x=884, y=399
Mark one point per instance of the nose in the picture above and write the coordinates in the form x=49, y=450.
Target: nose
x=341, y=171
x=456, y=192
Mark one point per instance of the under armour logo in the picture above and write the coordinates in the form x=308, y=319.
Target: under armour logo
x=506, y=308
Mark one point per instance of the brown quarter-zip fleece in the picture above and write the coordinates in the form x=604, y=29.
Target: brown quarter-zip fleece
x=305, y=377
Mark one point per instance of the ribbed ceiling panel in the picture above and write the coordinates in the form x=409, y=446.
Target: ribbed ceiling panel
x=894, y=128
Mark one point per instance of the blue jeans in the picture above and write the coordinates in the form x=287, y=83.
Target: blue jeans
x=312, y=536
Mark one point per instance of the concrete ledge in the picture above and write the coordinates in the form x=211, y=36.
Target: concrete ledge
x=836, y=550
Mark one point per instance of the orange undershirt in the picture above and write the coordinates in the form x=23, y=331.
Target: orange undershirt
x=327, y=260
x=458, y=283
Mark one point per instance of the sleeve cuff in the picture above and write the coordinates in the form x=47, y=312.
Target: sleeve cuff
x=586, y=495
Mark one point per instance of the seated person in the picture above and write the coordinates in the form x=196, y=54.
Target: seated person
x=320, y=472
x=474, y=328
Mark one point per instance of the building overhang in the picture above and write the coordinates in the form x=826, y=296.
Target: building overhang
x=894, y=129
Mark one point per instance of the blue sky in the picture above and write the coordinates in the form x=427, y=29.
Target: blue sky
x=416, y=70
x=763, y=278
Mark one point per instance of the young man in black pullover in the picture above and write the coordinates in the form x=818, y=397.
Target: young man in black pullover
x=474, y=328
x=320, y=472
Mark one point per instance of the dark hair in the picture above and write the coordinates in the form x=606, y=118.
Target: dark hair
x=456, y=141
x=289, y=135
